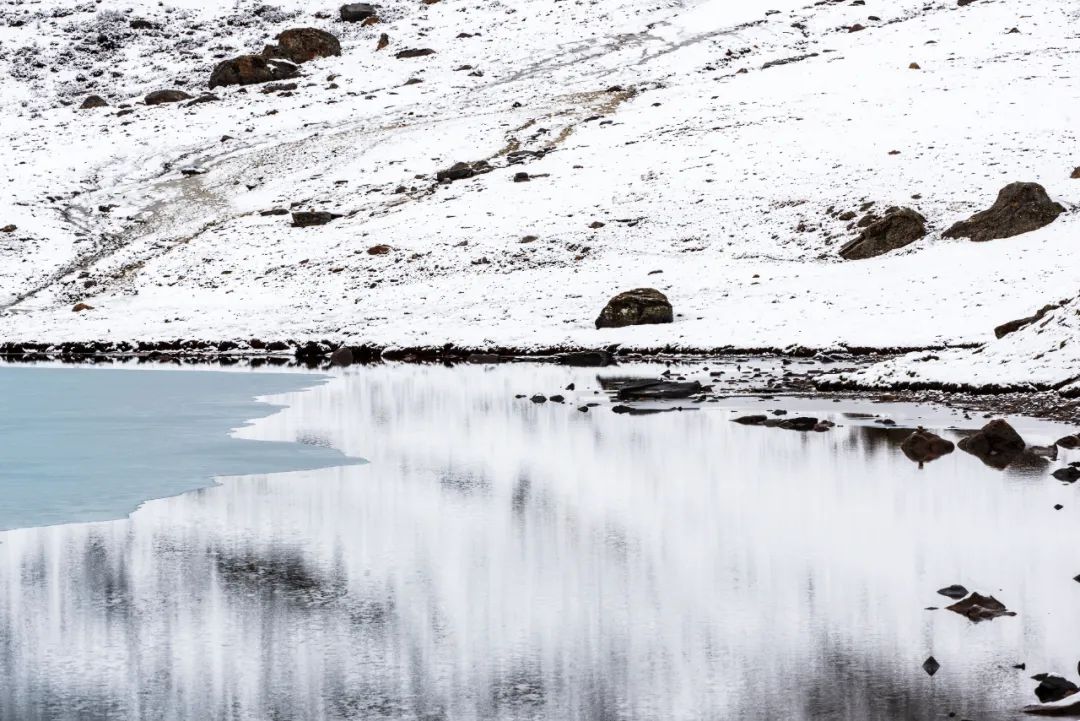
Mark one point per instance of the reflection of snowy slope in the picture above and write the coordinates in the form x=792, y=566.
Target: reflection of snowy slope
x=717, y=171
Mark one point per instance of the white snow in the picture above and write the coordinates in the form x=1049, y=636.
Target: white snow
x=724, y=169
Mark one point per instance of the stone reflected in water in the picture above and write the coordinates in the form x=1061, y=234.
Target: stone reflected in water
x=500, y=559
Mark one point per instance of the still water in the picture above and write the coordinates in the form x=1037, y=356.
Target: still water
x=500, y=559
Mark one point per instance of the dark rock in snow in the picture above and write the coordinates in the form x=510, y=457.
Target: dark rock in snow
x=341, y=357
x=355, y=12
x=997, y=444
x=657, y=390
x=899, y=227
x=980, y=608
x=931, y=666
x=641, y=306
x=305, y=219
x=922, y=446
x=538, y=398
x=750, y=420
x=1014, y=325
x=955, y=591
x=300, y=45
x=1019, y=208
x=799, y=423
x=158, y=97
x=251, y=69
x=1053, y=688
x=93, y=101
x=1069, y=442
x=1069, y=474
x=585, y=359
x=414, y=53
x=462, y=171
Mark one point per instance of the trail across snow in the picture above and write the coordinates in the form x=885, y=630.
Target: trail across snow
x=712, y=169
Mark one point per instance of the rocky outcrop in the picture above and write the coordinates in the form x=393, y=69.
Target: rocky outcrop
x=300, y=45
x=93, y=101
x=641, y=306
x=980, y=608
x=997, y=444
x=1019, y=208
x=1014, y=325
x=899, y=227
x=306, y=218
x=357, y=12
x=251, y=69
x=159, y=97
x=922, y=446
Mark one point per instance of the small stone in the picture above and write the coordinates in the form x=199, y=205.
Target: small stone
x=931, y=666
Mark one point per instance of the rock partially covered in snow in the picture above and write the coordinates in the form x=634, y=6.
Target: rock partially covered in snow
x=251, y=69
x=899, y=227
x=641, y=306
x=300, y=45
x=1019, y=208
x=158, y=97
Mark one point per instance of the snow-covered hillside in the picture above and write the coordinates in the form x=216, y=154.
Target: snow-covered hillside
x=707, y=148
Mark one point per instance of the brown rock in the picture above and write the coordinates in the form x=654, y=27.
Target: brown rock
x=641, y=306
x=922, y=446
x=414, y=53
x=308, y=218
x=159, y=97
x=93, y=101
x=300, y=45
x=1019, y=208
x=355, y=12
x=379, y=250
x=899, y=227
x=997, y=444
x=251, y=69
x=80, y=307
x=1014, y=325
x=11, y=228
x=980, y=608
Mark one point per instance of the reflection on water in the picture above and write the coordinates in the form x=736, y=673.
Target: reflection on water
x=500, y=559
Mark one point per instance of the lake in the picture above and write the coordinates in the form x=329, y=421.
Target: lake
x=418, y=542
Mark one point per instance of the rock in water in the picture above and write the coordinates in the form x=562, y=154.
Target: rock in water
x=159, y=97
x=922, y=446
x=931, y=666
x=1053, y=688
x=980, y=608
x=93, y=101
x=997, y=444
x=300, y=45
x=641, y=306
x=899, y=227
x=658, y=390
x=955, y=591
x=1069, y=474
x=342, y=357
x=585, y=359
x=356, y=12
x=1019, y=208
x=251, y=69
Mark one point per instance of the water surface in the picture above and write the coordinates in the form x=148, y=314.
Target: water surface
x=500, y=559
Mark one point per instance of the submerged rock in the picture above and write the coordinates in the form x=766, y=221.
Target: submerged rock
x=1019, y=208
x=659, y=390
x=641, y=306
x=922, y=446
x=997, y=444
x=980, y=608
x=251, y=69
x=301, y=45
x=899, y=227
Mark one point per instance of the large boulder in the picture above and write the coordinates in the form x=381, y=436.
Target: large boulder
x=899, y=227
x=93, y=101
x=1019, y=208
x=997, y=444
x=641, y=306
x=250, y=69
x=159, y=97
x=922, y=446
x=356, y=12
x=300, y=45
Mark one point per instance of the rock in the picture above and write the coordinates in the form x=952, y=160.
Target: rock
x=898, y=228
x=996, y=445
x=1069, y=442
x=980, y=608
x=251, y=69
x=755, y=420
x=301, y=45
x=585, y=359
x=93, y=101
x=1053, y=688
x=931, y=666
x=159, y=97
x=955, y=591
x=799, y=423
x=384, y=40
x=413, y=53
x=10, y=228
x=1049, y=452
x=306, y=219
x=1075, y=174
x=355, y=12
x=641, y=306
x=658, y=390
x=538, y=398
x=1069, y=474
x=922, y=446
x=378, y=250
x=341, y=357
x=204, y=98
x=1014, y=325
x=278, y=88
x=1019, y=208
x=462, y=171
x=483, y=358
x=80, y=307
